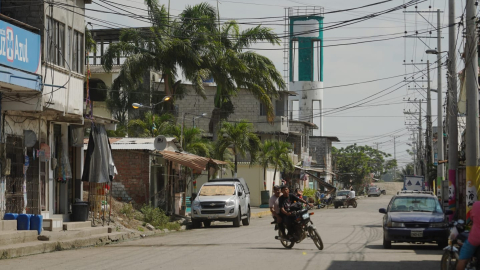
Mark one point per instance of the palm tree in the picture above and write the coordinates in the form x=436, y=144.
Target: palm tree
x=280, y=157
x=153, y=125
x=240, y=139
x=195, y=144
x=225, y=60
x=157, y=48
x=264, y=159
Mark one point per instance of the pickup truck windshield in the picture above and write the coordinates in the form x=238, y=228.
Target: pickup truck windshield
x=343, y=193
x=415, y=204
x=220, y=190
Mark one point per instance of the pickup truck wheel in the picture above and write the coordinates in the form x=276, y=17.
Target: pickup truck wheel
x=207, y=223
x=236, y=221
x=246, y=221
x=336, y=206
x=196, y=224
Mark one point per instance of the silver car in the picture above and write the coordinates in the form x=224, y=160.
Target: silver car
x=222, y=201
x=374, y=191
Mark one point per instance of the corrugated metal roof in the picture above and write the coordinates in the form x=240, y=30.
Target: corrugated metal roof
x=139, y=144
x=192, y=161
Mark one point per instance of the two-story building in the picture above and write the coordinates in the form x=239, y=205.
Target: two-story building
x=42, y=107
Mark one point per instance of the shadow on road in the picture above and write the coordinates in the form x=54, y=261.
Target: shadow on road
x=402, y=265
x=419, y=249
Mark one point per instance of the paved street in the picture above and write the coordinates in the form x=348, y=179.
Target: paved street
x=352, y=239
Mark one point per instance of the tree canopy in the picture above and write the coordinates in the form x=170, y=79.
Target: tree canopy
x=355, y=162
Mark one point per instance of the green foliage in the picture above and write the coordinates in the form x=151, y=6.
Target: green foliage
x=356, y=162
x=240, y=139
x=195, y=144
x=154, y=216
x=152, y=126
x=274, y=153
x=128, y=210
x=309, y=192
x=140, y=228
x=172, y=226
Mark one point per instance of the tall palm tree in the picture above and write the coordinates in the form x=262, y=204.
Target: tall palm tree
x=240, y=139
x=264, y=159
x=159, y=49
x=225, y=59
x=280, y=157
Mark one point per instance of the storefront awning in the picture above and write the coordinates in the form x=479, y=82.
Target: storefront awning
x=188, y=160
x=321, y=182
x=217, y=162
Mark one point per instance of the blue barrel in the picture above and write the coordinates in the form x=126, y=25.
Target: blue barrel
x=23, y=222
x=36, y=223
x=10, y=216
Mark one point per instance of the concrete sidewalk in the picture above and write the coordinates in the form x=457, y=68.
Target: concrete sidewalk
x=259, y=212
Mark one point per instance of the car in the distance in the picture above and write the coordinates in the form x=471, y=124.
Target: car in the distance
x=226, y=200
x=414, y=217
x=340, y=198
x=374, y=191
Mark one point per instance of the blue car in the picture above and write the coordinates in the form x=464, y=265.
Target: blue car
x=414, y=217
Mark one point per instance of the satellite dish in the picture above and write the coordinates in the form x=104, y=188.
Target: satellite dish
x=30, y=138
x=160, y=143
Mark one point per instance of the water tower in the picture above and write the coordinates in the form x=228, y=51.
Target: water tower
x=303, y=65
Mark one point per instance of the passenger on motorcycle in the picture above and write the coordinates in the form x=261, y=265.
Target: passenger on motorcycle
x=287, y=205
x=352, y=193
x=273, y=204
x=468, y=248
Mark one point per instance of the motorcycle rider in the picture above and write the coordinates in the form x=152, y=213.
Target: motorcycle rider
x=273, y=204
x=286, y=203
x=469, y=247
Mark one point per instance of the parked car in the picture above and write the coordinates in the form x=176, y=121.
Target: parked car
x=227, y=200
x=414, y=217
x=374, y=191
x=340, y=198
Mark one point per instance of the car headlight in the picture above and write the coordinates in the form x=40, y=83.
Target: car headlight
x=196, y=203
x=392, y=224
x=230, y=203
x=437, y=225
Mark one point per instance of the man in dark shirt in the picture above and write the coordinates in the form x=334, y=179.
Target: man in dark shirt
x=285, y=202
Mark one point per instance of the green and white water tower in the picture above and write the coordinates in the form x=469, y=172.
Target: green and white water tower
x=305, y=64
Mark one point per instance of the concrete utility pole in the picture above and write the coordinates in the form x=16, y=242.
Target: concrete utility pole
x=440, y=170
x=420, y=138
x=452, y=104
x=471, y=68
x=394, y=157
x=429, y=143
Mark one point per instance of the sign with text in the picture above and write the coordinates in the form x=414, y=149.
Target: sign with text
x=19, y=48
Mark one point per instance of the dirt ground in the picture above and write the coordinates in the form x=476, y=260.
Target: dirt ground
x=391, y=187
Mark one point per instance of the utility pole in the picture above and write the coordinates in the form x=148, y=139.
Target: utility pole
x=471, y=68
x=452, y=105
x=420, y=137
x=429, y=143
x=394, y=157
x=440, y=170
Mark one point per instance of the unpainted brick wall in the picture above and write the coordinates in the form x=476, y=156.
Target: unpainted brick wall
x=132, y=180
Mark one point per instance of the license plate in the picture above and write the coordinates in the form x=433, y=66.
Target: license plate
x=211, y=217
x=416, y=233
x=305, y=216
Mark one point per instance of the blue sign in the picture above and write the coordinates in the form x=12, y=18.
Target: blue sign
x=19, y=48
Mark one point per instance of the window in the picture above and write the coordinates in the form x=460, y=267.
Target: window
x=55, y=42
x=280, y=107
x=295, y=110
x=317, y=46
x=263, y=110
x=78, y=55
x=295, y=63
x=316, y=117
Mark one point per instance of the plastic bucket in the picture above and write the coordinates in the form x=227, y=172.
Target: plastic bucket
x=36, y=223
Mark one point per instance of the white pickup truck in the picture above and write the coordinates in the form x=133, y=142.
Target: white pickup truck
x=222, y=200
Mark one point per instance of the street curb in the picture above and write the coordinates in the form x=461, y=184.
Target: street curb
x=260, y=214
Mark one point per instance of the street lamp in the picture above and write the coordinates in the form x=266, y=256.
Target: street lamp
x=434, y=52
x=196, y=117
x=141, y=106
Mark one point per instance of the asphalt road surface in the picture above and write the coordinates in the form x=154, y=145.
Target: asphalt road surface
x=352, y=239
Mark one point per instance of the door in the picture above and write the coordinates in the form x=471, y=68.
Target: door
x=242, y=199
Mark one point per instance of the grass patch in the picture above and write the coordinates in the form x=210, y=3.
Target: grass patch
x=154, y=216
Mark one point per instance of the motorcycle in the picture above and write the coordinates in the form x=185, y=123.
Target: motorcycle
x=350, y=201
x=451, y=253
x=303, y=228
